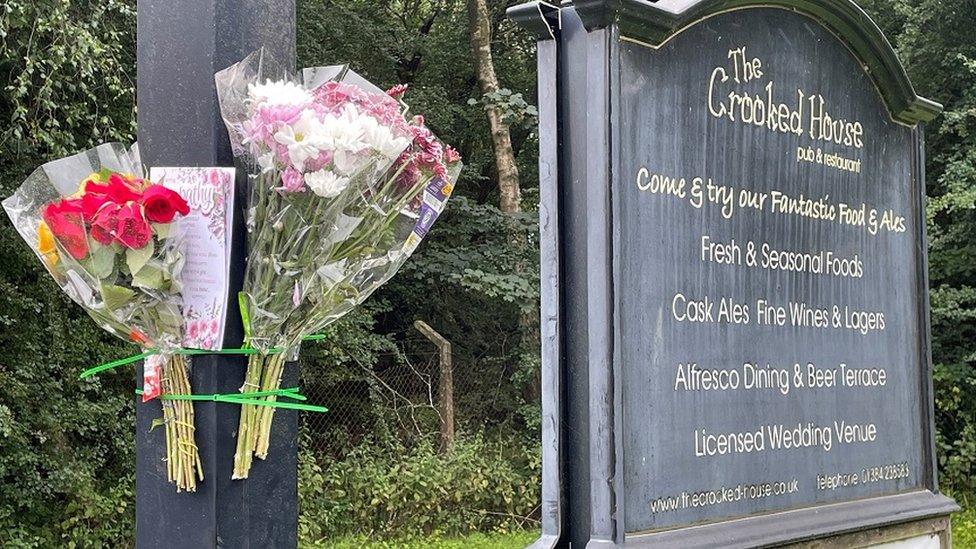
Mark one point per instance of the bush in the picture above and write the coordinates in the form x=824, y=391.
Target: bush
x=384, y=490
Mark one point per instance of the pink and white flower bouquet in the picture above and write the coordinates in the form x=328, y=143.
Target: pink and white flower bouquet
x=343, y=187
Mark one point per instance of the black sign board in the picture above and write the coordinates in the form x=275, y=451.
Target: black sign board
x=766, y=266
x=741, y=322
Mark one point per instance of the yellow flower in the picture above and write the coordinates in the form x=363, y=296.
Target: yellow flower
x=45, y=245
x=93, y=177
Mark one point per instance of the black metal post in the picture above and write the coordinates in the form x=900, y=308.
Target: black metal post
x=181, y=44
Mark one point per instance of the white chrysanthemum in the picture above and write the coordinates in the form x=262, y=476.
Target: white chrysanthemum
x=266, y=161
x=326, y=183
x=345, y=130
x=380, y=138
x=277, y=93
x=345, y=137
x=304, y=139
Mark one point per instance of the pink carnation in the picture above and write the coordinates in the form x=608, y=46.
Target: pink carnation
x=451, y=155
x=291, y=181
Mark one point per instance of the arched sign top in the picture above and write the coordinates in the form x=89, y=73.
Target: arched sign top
x=655, y=21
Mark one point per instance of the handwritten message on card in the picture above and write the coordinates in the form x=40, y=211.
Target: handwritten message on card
x=210, y=194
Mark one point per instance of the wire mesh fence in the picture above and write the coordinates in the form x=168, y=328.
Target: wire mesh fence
x=395, y=396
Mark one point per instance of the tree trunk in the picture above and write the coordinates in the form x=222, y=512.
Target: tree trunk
x=479, y=30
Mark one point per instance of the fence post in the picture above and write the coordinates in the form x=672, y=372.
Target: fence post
x=445, y=389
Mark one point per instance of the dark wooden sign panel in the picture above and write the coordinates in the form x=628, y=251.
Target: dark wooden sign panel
x=767, y=266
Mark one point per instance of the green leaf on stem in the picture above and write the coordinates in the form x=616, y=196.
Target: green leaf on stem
x=116, y=297
x=169, y=317
x=148, y=277
x=102, y=260
x=137, y=259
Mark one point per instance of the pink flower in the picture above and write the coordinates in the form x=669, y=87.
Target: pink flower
x=397, y=91
x=106, y=223
x=319, y=162
x=291, y=181
x=336, y=94
x=267, y=120
x=133, y=230
x=451, y=155
x=193, y=330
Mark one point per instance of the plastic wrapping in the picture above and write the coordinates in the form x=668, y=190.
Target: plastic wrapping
x=109, y=239
x=343, y=188
x=113, y=242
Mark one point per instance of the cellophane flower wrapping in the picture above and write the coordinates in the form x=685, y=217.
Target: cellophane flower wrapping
x=343, y=187
x=111, y=240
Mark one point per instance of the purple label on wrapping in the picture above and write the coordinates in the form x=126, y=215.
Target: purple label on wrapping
x=425, y=220
x=439, y=188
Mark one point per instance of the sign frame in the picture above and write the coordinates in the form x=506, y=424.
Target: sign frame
x=582, y=451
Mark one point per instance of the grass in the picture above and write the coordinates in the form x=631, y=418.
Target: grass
x=479, y=540
x=963, y=537
x=964, y=526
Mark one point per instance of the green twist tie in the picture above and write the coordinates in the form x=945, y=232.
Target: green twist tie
x=189, y=352
x=254, y=399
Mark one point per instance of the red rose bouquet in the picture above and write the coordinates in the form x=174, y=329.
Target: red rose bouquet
x=110, y=239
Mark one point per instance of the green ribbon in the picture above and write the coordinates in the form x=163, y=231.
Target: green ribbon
x=253, y=399
x=190, y=352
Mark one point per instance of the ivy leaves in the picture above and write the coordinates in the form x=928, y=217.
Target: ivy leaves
x=68, y=67
x=516, y=111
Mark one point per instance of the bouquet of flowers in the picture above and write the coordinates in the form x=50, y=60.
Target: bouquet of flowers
x=110, y=239
x=343, y=188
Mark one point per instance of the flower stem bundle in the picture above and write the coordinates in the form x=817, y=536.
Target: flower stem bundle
x=182, y=457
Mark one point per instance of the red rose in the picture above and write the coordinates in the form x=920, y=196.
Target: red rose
x=96, y=194
x=105, y=223
x=133, y=231
x=120, y=190
x=64, y=218
x=91, y=203
x=163, y=204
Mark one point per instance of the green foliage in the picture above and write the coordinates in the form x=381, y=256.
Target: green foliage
x=474, y=541
x=472, y=285
x=386, y=490
x=424, y=43
x=964, y=526
x=934, y=39
x=66, y=446
x=68, y=78
x=515, y=110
